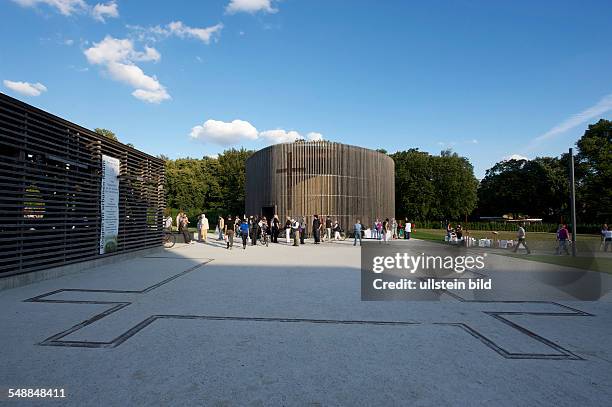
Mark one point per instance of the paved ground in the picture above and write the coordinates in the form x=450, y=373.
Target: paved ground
x=199, y=325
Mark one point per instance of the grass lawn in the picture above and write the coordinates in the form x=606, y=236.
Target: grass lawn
x=438, y=235
x=539, y=239
x=601, y=264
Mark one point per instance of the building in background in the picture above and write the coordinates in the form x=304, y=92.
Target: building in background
x=304, y=178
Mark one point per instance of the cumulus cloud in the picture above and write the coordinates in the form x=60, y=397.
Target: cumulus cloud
x=102, y=11
x=177, y=29
x=26, y=88
x=517, y=157
x=250, y=6
x=280, y=136
x=604, y=105
x=237, y=131
x=313, y=136
x=117, y=56
x=223, y=133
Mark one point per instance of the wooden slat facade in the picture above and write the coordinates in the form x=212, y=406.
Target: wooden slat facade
x=50, y=178
x=329, y=179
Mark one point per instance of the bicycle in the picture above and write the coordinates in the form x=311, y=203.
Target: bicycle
x=168, y=239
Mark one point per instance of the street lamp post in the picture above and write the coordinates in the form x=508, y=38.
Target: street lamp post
x=573, y=200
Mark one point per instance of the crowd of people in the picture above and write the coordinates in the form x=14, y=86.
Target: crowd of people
x=254, y=229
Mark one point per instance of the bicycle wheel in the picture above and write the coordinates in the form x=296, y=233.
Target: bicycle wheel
x=169, y=240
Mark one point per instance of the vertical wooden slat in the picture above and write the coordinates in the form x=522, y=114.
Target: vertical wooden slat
x=331, y=179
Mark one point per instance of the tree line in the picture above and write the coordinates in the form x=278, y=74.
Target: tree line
x=433, y=187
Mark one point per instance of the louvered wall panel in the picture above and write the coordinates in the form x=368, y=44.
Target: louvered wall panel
x=50, y=179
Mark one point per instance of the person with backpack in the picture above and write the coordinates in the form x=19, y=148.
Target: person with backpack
x=244, y=232
x=562, y=238
x=229, y=232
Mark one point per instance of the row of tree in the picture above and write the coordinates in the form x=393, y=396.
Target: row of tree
x=433, y=187
x=540, y=187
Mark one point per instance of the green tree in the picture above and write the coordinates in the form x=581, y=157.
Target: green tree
x=538, y=188
x=433, y=187
x=106, y=133
x=594, y=162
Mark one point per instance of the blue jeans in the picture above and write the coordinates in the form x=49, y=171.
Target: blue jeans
x=357, y=236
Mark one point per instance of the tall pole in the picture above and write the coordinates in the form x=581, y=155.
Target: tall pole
x=573, y=200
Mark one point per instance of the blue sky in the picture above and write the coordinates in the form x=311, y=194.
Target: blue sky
x=191, y=78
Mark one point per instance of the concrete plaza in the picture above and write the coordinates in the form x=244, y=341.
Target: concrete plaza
x=280, y=325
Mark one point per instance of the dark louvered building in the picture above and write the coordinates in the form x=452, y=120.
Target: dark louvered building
x=52, y=207
x=330, y=179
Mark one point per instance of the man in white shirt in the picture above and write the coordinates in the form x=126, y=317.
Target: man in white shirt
x=407, y=230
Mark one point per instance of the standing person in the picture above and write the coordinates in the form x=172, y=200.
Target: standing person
x=604, y=229
x=168, y=224
x=179, y=216
x=562, y=237
x=520, y=236
x=204, y=228
x=316, y=229
x=265, y=228
x=357, y=231
x=385, y=229
x=407, y=230
x=254, y=230
x=302, y=230
x=229, y=232
x=295, y=225
x=394, y=228
x=378, y=229
x=221, y=226
x=288, y=223
x=244, y=232
x=184, y=229
x=275, y=229
x=328, y=229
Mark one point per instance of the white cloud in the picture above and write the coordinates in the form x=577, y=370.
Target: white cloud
x=65, y=7
x=593, y=112
x=26, y=88
x=517, y=157
x=102, y=11
x=250, y=6
x=203, y=34
x=237, y=131
x=224, y=133
x=280, y=136
x=313, y=136
x=117, y=56
x=178, y=29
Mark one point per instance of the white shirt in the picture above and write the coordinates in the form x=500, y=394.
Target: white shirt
x=408, y=227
